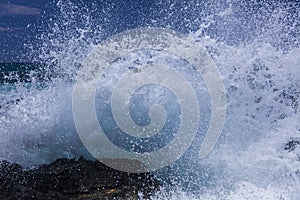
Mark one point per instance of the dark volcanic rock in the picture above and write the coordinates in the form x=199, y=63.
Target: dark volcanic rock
x=72, y=179
x=292, y=144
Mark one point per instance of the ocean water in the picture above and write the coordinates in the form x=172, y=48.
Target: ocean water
x=255, y=47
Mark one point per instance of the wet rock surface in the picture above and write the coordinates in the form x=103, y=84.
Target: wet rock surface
x=76, y=179
x=292, y=144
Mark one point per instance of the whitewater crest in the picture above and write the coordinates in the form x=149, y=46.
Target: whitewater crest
x=256, y=50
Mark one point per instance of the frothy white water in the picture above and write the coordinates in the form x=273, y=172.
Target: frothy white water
x=242, y=191
x=251, y=159
x=39, y=128
x=261, y=76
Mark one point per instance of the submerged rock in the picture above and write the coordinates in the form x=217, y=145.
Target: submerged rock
x=73, y=179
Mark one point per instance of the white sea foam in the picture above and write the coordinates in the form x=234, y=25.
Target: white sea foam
x=261, y=75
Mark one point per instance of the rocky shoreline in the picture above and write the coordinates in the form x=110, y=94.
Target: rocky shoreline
x=74, y=179
x=80, y=179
